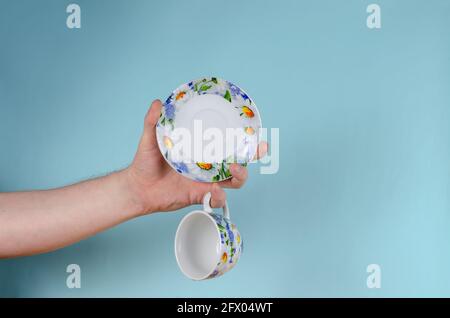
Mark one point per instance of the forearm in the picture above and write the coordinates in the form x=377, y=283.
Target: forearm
x=41, y=221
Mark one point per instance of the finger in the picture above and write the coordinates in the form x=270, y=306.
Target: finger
x=218, y=196
x=240, y=173
x=153, y=114
x=239, y=176
x=148, y=139
x=263, y=147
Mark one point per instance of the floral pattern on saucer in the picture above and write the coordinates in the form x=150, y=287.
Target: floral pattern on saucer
x=231, y=245
x=239, y=100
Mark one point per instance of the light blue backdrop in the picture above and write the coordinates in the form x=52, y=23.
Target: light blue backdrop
x=364, y=118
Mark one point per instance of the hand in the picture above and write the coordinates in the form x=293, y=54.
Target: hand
x=158, y=187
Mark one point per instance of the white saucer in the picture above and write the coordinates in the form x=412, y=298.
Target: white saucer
x=196, y=127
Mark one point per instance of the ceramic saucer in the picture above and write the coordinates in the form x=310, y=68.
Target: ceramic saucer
x=214, y=107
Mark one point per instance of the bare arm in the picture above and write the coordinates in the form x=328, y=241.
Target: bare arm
x=40, y=221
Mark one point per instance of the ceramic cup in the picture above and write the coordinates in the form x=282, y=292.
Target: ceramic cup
x=207, y=244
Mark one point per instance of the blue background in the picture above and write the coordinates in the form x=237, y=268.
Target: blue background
x=364, y=118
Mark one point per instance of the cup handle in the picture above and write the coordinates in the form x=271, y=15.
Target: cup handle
x=207, y=205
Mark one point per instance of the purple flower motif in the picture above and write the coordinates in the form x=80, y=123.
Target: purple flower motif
x=181, y=167
x=169, y=110
x=234, y=89
x=214, y=274
x=217, y=218
x=230, y=233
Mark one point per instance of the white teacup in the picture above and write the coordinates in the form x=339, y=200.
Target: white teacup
x=207, y=244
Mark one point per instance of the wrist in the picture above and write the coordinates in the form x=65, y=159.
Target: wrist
x=135, y=192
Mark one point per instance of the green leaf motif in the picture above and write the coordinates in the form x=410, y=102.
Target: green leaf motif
x=205, y=87
x=220, y=227
x=227, y=96
x=214, y=80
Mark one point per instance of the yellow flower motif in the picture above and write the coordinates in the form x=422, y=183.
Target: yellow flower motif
x=247, y=111
x=168, y=142
x=238, y=239
x=249, y=130
x=204, y=165
x=224, y=257
x=180, y=95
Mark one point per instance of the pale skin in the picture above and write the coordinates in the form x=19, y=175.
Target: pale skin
x=34, y=222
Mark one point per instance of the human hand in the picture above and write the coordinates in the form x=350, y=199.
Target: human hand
x=155, y=186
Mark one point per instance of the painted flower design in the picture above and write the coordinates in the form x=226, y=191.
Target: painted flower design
x=230, y=233
x=169, y=111
x=223, y=172
x=247, y=112
x=249, y=130
x=168, y=142
x=203, y=85
x=202, y=171
x=214, y=274
x=204, y=165
x=245, y=96
x=231, y=245
x=181, y=167
x=224, y=257
x=217, y=218
x=169, y=99
x=182, y=94
x=235, y=91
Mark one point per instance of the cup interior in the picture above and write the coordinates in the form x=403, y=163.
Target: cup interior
x=197, y=245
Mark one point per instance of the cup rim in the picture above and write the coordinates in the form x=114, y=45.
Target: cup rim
x=207, y=214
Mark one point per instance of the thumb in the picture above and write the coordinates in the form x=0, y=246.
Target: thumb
x=148, y=140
